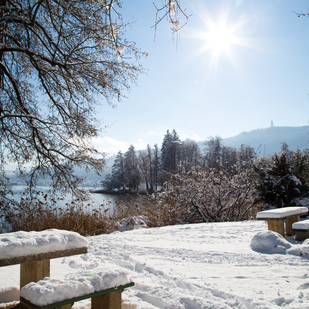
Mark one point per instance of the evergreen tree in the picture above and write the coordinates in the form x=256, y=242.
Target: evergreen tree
x=285, y=179
x=170, y=152
x=116, y=180
x=131, y=170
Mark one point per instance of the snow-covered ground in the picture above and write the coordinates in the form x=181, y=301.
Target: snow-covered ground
x=194, y=266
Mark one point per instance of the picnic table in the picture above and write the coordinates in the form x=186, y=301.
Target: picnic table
x=280, y=220
x=34, y=250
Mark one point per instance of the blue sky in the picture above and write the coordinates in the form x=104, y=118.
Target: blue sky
x=235, y=66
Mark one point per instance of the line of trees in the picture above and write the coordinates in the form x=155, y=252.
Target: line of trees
x=154, y=167
x=219, y=183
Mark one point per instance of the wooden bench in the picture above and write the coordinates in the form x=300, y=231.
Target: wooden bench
x=301, y=229
x=277, y=217
x=36, y=266
x=107, y=298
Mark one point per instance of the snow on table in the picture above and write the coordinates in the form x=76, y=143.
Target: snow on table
x=281, y=213
x=50, y=291
x=28, y=243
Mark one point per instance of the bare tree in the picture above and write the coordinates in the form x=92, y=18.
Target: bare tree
x=57, y=60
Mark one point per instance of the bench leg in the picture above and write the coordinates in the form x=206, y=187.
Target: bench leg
x=276, y=226
x=288, y=225
x=300, y=236
x=34, y=271
x=109, y=301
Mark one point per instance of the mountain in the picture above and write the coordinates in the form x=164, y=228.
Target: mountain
x=268, y=141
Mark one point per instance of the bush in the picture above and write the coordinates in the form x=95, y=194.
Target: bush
x=211, y=195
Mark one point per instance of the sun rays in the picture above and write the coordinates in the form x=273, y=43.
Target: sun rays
x=221, y=37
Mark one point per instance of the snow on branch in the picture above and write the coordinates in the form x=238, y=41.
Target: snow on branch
x=173, y=12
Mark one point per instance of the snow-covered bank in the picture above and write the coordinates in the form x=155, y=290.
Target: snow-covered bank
x=194, y=266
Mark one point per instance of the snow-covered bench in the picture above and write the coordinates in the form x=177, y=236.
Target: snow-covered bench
x=103, y=287
x=33, y=251
x=277, y=217
x=301, y=229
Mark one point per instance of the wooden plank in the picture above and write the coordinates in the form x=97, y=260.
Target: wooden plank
x=109, y=301
x=288, y=225
x=34, y=271
x=276, y=226
x=76, y=299
x=42, y=256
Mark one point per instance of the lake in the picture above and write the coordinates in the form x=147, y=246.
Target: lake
x=96, y=200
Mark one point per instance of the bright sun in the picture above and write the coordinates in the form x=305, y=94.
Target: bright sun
x=220, y=38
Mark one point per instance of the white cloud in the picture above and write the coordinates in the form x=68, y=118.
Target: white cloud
x=194, y=137
x=111, y=146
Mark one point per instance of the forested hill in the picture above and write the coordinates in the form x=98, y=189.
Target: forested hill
x=268, y=141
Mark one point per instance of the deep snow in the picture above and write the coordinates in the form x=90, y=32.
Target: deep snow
x=209, y=265
x=26, y=243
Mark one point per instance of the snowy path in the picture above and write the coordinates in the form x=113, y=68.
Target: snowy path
x=194, y=266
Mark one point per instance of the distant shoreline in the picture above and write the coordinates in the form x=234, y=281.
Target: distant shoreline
x=113, y=192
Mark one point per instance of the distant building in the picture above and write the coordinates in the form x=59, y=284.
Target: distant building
x=272, y=124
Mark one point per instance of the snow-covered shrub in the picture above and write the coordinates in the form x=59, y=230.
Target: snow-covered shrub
x=133, y=223
x=211, y=195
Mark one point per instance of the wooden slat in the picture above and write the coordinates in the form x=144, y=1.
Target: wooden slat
x=42, y=256
x=76, y=299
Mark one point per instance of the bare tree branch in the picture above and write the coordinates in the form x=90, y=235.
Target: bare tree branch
x=56, y=65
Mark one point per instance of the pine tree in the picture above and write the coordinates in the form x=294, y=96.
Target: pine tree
x=285, y=180
x=170, y=152
x=116, y=180
x=131, y=170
